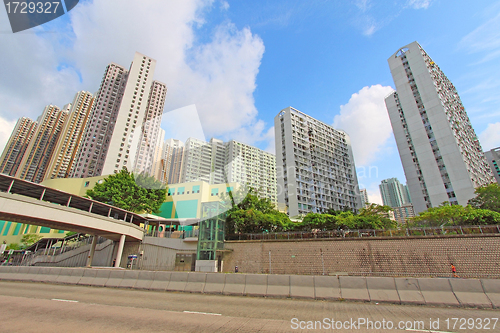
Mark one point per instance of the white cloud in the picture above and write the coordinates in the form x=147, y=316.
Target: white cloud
x=224, y=5
x=419, y=4
x=375, y=197
x=6, y=127
x=218, y=76
x=484, y=39
x=366, y=121
x=490, y=137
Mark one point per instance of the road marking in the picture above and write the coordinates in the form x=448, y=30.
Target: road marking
x=204, y=313
x=63, y=300
x=428, y=331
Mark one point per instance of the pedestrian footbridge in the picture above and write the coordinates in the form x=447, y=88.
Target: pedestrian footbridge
x=25, y=202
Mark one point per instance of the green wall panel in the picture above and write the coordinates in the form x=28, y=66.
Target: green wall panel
x=7, y=227
x=44, y=230
x=17, y=229
x=166, y=210
x=186, y=209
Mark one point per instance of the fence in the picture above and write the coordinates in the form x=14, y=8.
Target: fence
x=428, y=231
x=182, y=234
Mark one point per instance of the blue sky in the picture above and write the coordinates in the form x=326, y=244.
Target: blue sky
x=240, y=62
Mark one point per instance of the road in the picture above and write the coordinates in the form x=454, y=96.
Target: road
x=39, y=307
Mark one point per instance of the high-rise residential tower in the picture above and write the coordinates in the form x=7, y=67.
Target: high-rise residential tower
x=440, y=152
x=16, y=146
x=39, y=152
x=172, y=161
x=315, y=166
x=364, y=197
x=493, y=158
x=218, y=162
x=124, y=119
x=394, y=194
x=64, y=156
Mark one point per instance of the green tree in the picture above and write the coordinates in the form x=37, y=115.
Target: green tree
x=30, y=239
x=487, y=197
x=448, y=215
x=13, y=246
x=122, y=190
x=252, y=214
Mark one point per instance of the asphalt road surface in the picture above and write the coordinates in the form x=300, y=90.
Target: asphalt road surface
x=39, y=307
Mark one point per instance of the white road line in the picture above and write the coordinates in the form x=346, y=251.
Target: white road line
x=428, y=331
x=204, y=313
x=63, y=300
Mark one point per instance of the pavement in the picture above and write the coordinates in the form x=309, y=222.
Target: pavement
x=43, y=307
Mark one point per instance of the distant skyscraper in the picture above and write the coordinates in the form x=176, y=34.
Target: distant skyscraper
x=70, y=139
x=39, y=152
x=315, y=166
x=440, y=152
x=16, y=146
x=364, y=197
x=124, y=122
x=394, y=194
x=493, y=158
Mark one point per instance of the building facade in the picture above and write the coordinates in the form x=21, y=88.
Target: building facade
x=439, y=150
x=364, y=197
x=40, y=150
x=218, y=162
x=16, y=146
x=493, y=158
x=70, y=139
x=126, y=113
x=315, y=165
x=394, y=194
x=172, y=162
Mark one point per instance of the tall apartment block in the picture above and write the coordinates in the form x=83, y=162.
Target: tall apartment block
x=37, y=157
x=204, y=161
x=253, y=167
x=158, y=156
x=493, y=158
x=394, y=194
x=172, y=161
x=315, y=165
x=150, y=137
x=125, y=111
x=16, y=146
x=64, y=156
x=218, y=162
x=439, y=150
x=364, y=197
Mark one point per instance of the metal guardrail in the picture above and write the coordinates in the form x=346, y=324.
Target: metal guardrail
x=182, y=234
x=368, y=233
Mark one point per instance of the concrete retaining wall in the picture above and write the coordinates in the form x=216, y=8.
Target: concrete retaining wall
x=481, y=293
x=474, y=256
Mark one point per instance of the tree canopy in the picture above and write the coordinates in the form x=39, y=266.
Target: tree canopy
x=122, y=190
x=487, y=197
x=449, y=215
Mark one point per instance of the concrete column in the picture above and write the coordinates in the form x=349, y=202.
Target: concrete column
x=92, y=251
x=120, y=251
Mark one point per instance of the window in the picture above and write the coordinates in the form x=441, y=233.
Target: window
x=87, y=183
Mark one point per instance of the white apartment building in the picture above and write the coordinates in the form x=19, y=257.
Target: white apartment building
x=16, y=146
x=126, y=112
x=315, y=165
x=218, y=162
x=70, y=139
x=364, y=197
x=439, y=150
x=493, y=158
x=253, y=167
